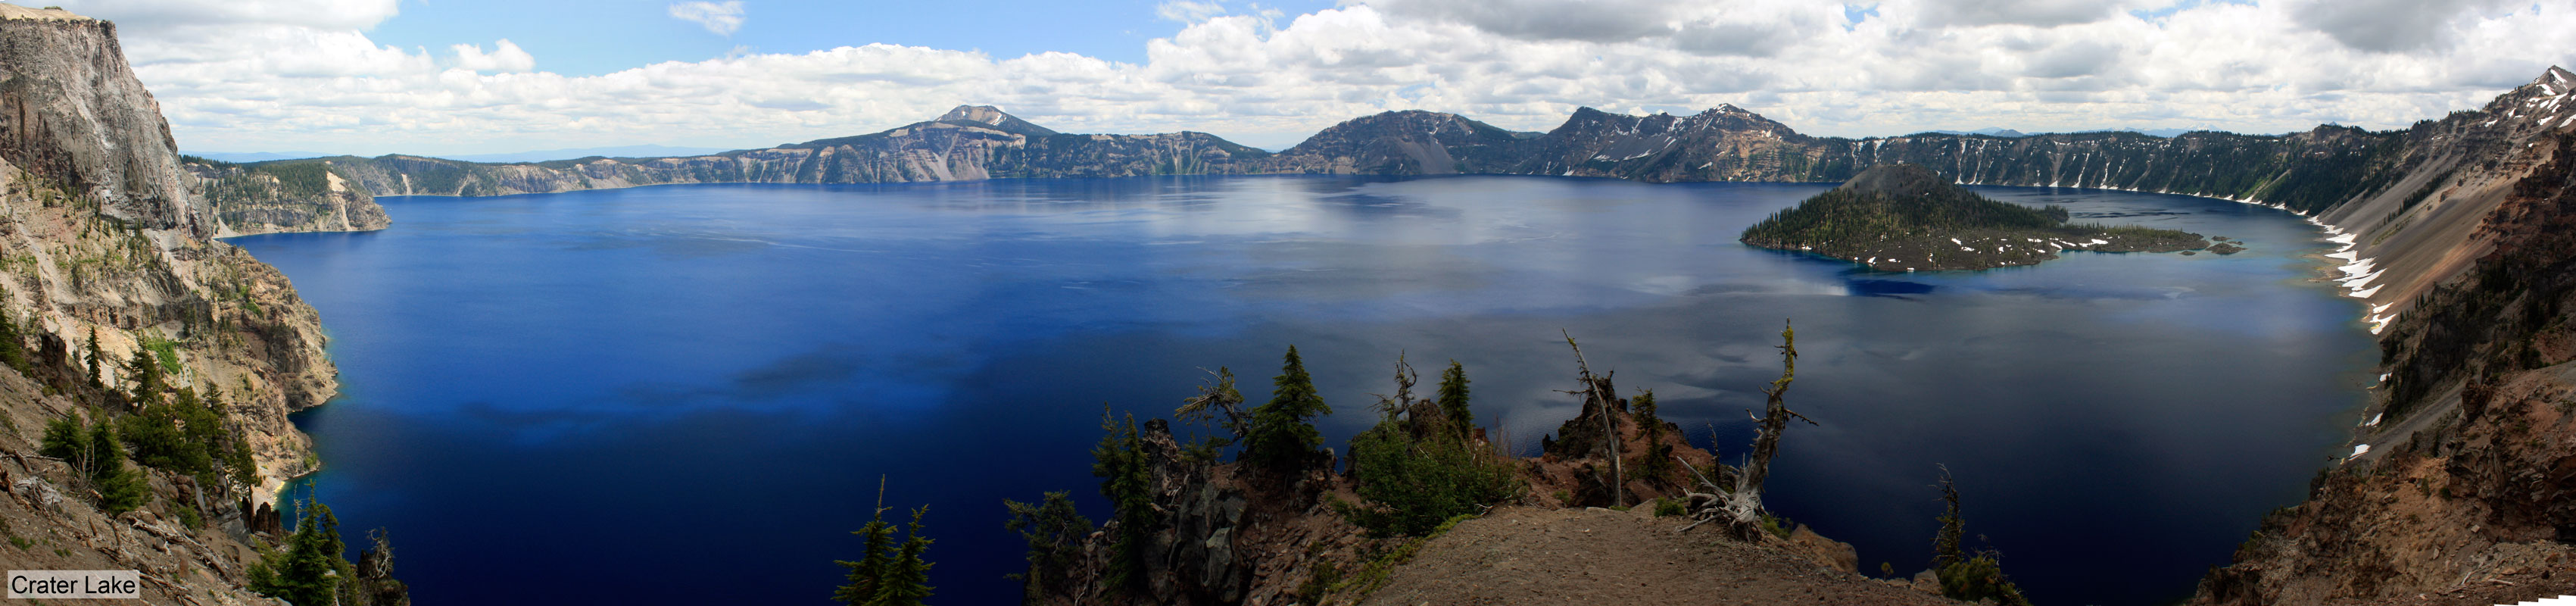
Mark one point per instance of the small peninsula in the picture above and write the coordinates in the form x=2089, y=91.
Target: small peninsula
x=1904, y=217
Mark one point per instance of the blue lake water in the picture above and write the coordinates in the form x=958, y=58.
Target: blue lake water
x=688, y=393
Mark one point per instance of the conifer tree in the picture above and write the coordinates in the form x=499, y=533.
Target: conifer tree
x=1119, y=461
x=95, y=380
x=1052, y=527
x=907, y=575
x=1283, y=437
x=888, y=574
x=96, y=457
x=1453, y=398
x=867, y=575
x=143, y=377
x=309, y=567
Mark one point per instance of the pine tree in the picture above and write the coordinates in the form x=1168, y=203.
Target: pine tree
x=97, y=458
x=907, y=575
x=1052, y=528
x=309, y=567
x=888, y=574
x=1119, y=461
x=1282, y=437
x=1453, y=398
x=1946, y=548
x=867, y=575
x=95, y=379
x=143, y=377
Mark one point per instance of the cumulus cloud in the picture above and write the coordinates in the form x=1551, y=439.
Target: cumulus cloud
x=505, y=57
x=306, y=82
x=2020, y=12
x=1585, y=20
x=2388, y=26
x=721, y=18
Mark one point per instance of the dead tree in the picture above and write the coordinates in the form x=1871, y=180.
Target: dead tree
x=1742, y=509
x=1597, y=390
x=1217, y=403
x=1403, y=400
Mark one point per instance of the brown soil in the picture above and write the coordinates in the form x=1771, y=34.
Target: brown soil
x=1523, y=555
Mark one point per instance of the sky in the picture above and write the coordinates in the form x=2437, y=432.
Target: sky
x=433, y=77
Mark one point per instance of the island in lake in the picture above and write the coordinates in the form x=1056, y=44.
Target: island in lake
x=1904, y=217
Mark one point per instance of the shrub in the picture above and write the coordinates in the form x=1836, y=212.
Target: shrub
x=1413, y=483
x=1670, y=507
x=1977, y=579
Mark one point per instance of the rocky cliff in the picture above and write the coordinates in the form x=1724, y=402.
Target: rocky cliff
x=2462, y=485
x=104, y=243
x=282, y=198
x=968, y=143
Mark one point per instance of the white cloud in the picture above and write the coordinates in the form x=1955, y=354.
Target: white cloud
x=722, y=18
x=289, y=81
x=1188, y=11
x=2389, y=25
x=505, y=57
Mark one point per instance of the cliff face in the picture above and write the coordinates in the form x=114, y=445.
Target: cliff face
x=101, y=235
x=966, y=144
x=285, y=198
x=2464, y=487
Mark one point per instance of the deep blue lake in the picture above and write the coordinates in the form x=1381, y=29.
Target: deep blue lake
x=688, y=393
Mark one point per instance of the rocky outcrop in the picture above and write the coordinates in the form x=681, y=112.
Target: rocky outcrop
x=1222, y=535
x=105, y=247
x=968, y=143
x=102, y=236
x=282, y=198
x=2462, y=485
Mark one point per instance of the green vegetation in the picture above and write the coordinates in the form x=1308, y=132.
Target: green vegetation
x=1669, y=507
x=307, y=179
x=1415, y=473
x=1453, y=398
x=1778, y=526
x=309, y=568
x=888, y=573
x=1658, y=464
x=1281, y=437
x=1120, y=463
x=1968, y=577
x=96, y=379
x=1850, y=214
x=99, y=462
x=1053, y=529
x=1916, y=219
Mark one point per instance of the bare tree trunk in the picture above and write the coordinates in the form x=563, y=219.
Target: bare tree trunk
x=1594, y=392
x=1745, y=506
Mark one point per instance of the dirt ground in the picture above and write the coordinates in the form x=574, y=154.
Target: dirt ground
x=1599, y=557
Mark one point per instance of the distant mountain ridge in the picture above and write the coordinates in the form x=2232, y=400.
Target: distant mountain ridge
x=2410, y=198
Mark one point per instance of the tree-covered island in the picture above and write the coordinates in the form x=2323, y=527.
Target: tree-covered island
x=1903, y=217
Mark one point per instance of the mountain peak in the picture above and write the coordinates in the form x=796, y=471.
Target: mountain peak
x=976, y=113
x=995, y=117
x=2557, y=80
